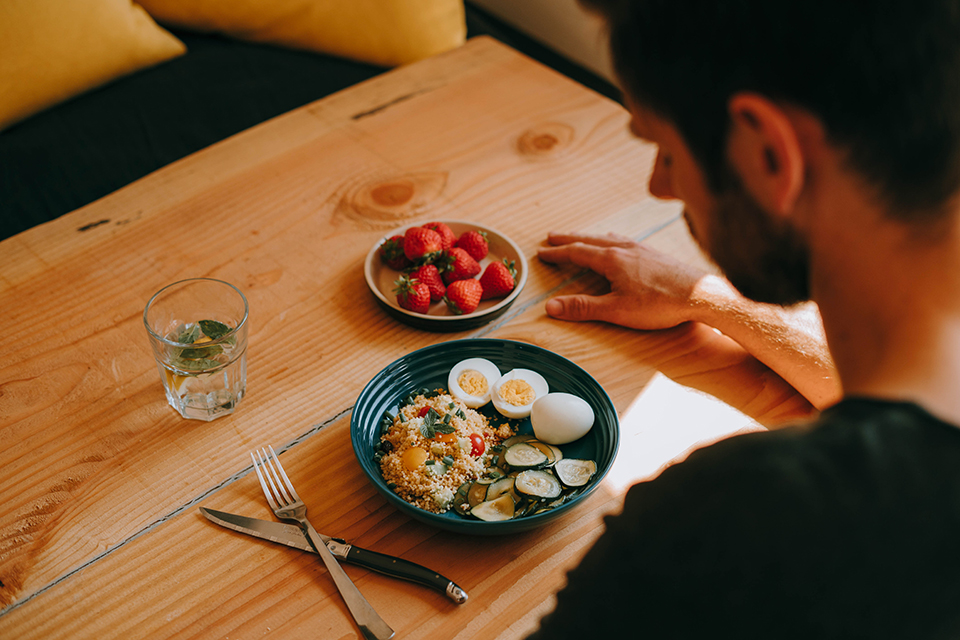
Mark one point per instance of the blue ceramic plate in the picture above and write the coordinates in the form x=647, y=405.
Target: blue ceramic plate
x=429, y=367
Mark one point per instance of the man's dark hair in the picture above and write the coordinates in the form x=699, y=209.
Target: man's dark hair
x=882, y=75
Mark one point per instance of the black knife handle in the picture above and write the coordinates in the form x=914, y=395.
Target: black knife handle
x=399, y=568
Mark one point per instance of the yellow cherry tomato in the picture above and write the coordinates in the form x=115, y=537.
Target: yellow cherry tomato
x=413, y=458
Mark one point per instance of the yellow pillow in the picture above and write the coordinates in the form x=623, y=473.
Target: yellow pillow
x=381, y=32
x=51, y=50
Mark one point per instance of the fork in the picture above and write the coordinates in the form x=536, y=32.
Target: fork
x=287, y=505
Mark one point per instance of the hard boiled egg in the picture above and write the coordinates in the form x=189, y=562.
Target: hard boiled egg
x=559, y=418
x=471, y=381
x=516, y=391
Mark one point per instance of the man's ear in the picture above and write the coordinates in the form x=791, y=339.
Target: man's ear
x=764, y=148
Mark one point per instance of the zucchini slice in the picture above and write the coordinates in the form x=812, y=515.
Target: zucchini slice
x=540, y=484
x=478, y=492
x=461, y=503
x=523, y=456
x=575, y=473
x=495, y=510
x=553, y=453
x=500, y=487
x=517, y=439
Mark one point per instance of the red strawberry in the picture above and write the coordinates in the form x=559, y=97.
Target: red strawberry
x=430, y=276
x=412, y=295
x=391, y=252
x=474, y=243
x=463, y=296
x=457, y=264
x=421, y=245
x=498, y=279
x=447, y=236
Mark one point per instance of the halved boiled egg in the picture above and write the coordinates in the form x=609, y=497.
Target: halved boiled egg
x=516, y=391
x=471, y=381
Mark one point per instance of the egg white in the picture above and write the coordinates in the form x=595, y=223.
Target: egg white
x=485, y=368
x=534, y=379
x=559, y=418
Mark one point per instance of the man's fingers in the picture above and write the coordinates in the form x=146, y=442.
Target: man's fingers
x=577, y=307
x=584, y=255
x=608, y=240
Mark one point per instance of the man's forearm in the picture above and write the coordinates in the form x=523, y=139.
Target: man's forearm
x=790, y=341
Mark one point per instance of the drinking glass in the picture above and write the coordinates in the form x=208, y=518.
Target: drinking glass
x=198, y=331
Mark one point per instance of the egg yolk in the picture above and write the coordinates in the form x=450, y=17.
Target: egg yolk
x=472, y=382
x=517, y=392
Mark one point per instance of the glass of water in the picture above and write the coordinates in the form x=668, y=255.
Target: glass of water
x=198, y=330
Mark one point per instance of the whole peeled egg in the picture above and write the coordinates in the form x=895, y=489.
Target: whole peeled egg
x=559, y=418
x=471, y=381
x=516, y=391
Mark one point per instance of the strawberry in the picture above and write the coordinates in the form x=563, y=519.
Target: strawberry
x=391, y=252
x=412, y=295
x=421, y=245
x=430, y=276
x=463, y=296
x=447, y=236
x=457, y=264
x=474, y=243
x=498, y=279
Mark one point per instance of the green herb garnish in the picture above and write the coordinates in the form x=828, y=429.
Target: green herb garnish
x=432, y=425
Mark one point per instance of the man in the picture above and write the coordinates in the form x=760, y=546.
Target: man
x=816, y=147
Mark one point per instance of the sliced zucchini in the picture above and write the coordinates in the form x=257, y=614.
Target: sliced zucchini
x=553, y=453
x=540, y=484
x=523, y=456
x=478, y=492
x=500, y=487
x=461, y=503
x=512, y=440
x=575, y=473
x=495, y=510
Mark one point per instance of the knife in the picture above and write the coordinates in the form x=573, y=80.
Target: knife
x=292, y=536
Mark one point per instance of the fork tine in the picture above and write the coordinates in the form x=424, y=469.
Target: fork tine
x=284, y=474
x=263, y=483
x=270, y=468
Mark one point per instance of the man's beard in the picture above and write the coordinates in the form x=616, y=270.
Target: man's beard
x=767, y=261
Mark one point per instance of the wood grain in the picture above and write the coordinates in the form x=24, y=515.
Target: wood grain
x=100, y=481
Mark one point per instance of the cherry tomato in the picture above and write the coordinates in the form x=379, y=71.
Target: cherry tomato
x=413, y=458
x=478, y=445
x=445, y=437
x=424, y=411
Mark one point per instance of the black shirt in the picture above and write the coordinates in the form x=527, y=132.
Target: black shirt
x=848, y=528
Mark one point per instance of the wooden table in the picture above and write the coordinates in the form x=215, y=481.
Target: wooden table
x=100, y=535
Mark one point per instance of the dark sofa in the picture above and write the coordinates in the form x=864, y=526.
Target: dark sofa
x=83, y=149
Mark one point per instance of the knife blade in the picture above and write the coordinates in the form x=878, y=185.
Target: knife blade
x=292, y=536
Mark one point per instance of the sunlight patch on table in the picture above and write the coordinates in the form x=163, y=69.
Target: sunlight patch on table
x=665, y=423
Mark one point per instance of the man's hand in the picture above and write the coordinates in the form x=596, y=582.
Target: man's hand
x=648, y=289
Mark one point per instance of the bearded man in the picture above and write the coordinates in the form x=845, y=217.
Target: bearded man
x=816, y=148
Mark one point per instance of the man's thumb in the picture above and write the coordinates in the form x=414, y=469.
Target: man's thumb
x=578, y=307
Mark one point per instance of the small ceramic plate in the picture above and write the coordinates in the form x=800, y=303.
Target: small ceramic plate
x=429, y=367
x=380, y=278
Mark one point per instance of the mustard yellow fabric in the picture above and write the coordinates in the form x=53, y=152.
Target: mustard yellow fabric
x=51, y=50
x=381, y=32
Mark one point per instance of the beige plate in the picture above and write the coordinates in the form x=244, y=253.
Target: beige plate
x=380, y=278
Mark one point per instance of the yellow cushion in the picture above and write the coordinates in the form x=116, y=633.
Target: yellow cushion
x=381, y=32
x=51, y=50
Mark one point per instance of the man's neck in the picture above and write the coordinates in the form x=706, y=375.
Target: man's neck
x=890, y=301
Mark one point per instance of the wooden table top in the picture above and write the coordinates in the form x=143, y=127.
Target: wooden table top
x=100, y=534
